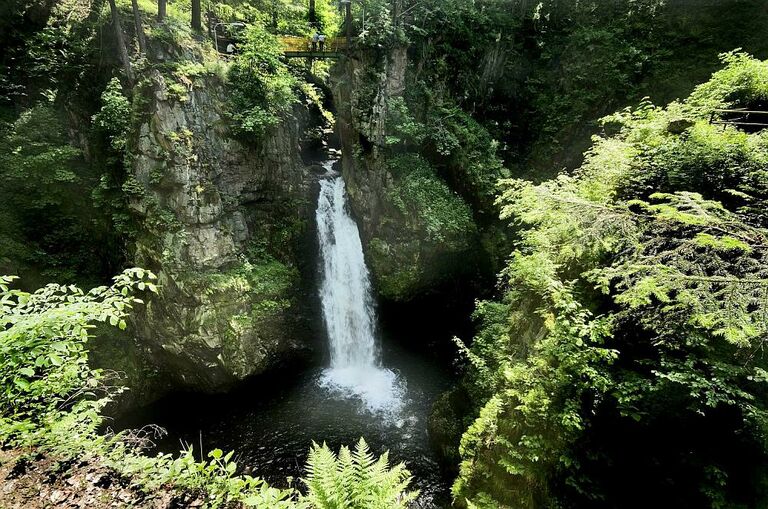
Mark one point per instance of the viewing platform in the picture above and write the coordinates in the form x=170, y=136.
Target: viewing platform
x=301, y=47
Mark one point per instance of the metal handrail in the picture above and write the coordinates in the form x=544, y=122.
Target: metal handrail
x=216, y=36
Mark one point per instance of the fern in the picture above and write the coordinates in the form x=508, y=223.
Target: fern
x=355, y=480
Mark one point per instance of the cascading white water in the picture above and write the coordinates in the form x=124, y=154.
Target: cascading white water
x=347, y=305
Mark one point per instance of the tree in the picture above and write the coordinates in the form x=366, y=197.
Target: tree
x=196, y=16
x=312, y=14
x=120, y=39
x=139, y=28
x=162, y=6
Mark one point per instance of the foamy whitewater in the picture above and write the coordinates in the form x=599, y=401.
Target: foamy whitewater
x=347, y=306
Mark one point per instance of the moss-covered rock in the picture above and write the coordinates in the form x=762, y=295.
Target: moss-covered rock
x=220, y=219
x=425, y=226
x=417, y=231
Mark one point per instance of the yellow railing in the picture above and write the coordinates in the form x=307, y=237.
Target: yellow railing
x=292, y=44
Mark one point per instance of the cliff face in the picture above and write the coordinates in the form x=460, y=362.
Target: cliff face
x=414, y=226
x=219, y=225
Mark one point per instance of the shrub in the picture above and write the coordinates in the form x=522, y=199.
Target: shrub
x=649, y=280
x=263, y=89
x=114, y=117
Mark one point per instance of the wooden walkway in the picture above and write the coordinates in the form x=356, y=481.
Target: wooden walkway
x=301, y=47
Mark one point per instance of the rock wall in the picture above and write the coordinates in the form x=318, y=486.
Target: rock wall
x=406, y=256
x=213, y=215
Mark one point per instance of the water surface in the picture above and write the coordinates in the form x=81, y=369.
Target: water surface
x=272, y=420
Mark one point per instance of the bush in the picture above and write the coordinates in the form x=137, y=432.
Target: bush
x=114, y=117
x=43, y=357
x=263, y=89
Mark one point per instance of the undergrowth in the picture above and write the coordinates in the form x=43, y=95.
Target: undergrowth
x=52, y=401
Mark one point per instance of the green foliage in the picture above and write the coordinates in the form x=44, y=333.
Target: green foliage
x=539, y=74
x=115, y=115
x=43, y=359
x=263, y=89
x=355, y=480
x=216, y=478
x=268, y=281
x=51, y=401
x=459, y=142
x=401, y=124
x=42, y=180
x=289, y=17
x=425, y=228
x=424, y=199
x=381, y=31
x=742, y=83
x=471, y=155
x=648, y=272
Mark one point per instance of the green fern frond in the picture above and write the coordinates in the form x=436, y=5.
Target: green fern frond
x=355, y=480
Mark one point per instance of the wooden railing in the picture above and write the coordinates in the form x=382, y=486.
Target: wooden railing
x=752, y=120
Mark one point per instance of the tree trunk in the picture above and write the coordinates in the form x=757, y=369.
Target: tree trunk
x=312, y=13
x=348, y=20
x=196, y=16
x=274, y=16
x=120, y=39
x=139, y=27
x=396, y=10
x=162, y=7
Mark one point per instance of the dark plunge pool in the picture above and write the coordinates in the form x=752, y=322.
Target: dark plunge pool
x=272, y=420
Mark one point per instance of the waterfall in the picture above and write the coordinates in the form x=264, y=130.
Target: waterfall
x=347, y=305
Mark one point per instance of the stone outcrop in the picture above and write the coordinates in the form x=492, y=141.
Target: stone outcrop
x=209, y=207
x=404, y=259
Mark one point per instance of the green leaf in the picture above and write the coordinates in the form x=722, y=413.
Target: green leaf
x=26, y=371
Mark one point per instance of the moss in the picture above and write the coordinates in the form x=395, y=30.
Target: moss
x=266, y=281
x=424, y=227
x=435, y=210
x=178, y=92
x=399, y=273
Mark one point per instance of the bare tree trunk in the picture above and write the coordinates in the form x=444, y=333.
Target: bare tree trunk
x=396, y=10
x=348, y=20
x=120, y=39
x=139, y=27
x=312, y=13
x=162, y=8
x=196, y=16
